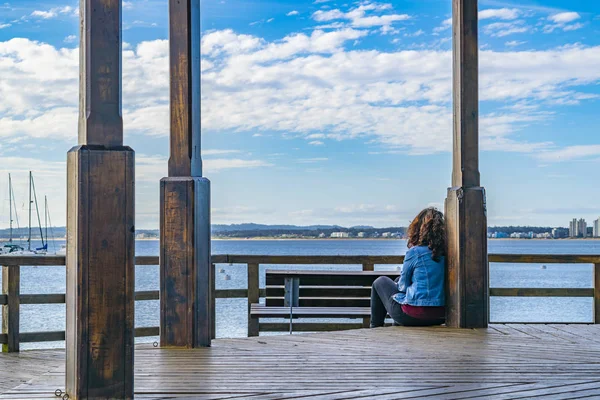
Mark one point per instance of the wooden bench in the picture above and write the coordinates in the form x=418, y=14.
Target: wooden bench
x=316, y=294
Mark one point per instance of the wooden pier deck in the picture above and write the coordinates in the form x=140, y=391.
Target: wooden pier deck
x=501, y=362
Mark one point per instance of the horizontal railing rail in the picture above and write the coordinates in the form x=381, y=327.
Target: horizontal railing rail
x=11, y=298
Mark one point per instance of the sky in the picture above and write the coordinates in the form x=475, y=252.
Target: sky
x=323, y=111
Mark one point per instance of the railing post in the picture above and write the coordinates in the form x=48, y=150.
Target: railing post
x=253, y=298
x=597, y=293
x=11, y=287
x=367, y=267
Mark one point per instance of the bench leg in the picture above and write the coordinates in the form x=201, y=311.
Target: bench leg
x=366, y=322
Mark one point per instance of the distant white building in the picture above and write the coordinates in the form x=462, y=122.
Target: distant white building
x=597, y=227
x=322, y=235
x=577, y=228
x=386, y=234
x=339, y=235
x=581, y=228
x=361, y=234
x=573, y=228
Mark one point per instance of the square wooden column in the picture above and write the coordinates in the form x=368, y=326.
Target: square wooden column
x=467, y=278
x=185, y=269
x=100, y=220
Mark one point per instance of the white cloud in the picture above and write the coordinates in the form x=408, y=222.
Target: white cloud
x=415, y=34
x=514, y=43
x=55, y=12
x=361, y=16
x=127, y=5
x=446, y=24
x=4, y=26
x=499, y=13
x=501, y=29
x=563, y=21
x=291, y=13
x=70, y=39
x=316, y=143
x=570, y=153
x=563, y=18
x=303, y=85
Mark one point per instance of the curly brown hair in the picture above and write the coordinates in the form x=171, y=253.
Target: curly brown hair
x=428, y=229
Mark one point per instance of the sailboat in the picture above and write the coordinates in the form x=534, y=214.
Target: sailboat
x=11, y=247
x=15, y=249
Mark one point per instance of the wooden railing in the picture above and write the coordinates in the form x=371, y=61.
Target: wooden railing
x=11, y=299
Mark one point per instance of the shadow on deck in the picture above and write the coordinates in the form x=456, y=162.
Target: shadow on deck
x=503, y=361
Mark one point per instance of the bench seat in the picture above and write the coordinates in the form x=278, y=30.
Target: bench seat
x=263, y=311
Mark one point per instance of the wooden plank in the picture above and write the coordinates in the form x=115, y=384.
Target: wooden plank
x=542, y=292
x=322, y=302
x=47, y=336
x=58, y=261
x=11, y=288
x=322, y=291
x=54, y=298
x=262, y=311
x=544, y=258
x=308, y=327
x=147, y=295
x=306, y=260
x=253, y=298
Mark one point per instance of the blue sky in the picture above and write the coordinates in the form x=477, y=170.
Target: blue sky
x=324, y=111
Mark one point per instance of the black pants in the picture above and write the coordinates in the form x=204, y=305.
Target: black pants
x=382, y=303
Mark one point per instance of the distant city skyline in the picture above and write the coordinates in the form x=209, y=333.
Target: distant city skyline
x=323, y=112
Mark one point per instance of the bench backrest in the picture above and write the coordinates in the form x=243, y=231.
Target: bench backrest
x=325, y=288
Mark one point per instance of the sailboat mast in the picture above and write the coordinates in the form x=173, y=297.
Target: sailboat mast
x=46, y=215
x=29, y=238
x=10, y=207
x=37, y=211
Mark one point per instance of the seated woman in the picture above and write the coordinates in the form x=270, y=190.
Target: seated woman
x=416, y=298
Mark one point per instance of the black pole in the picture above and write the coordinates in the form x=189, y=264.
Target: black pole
x=29, y=239
x=10, y=207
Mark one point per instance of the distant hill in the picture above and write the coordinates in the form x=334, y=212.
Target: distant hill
x=261, y=227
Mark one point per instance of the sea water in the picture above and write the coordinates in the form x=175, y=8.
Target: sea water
x=232, y=313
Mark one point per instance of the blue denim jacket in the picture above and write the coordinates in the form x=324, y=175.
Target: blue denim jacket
x=421, y=281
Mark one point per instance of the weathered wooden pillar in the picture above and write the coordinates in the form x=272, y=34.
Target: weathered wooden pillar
x=100, y=220
x=467, y=281
x=185, y=268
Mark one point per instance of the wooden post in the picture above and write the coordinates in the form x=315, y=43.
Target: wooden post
x=253, y=298
x=185, y=267
x=597, y=293
x=467, y=278
x=100, y=220
x=367, y=320
x=213, y=303
x=11, y=287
